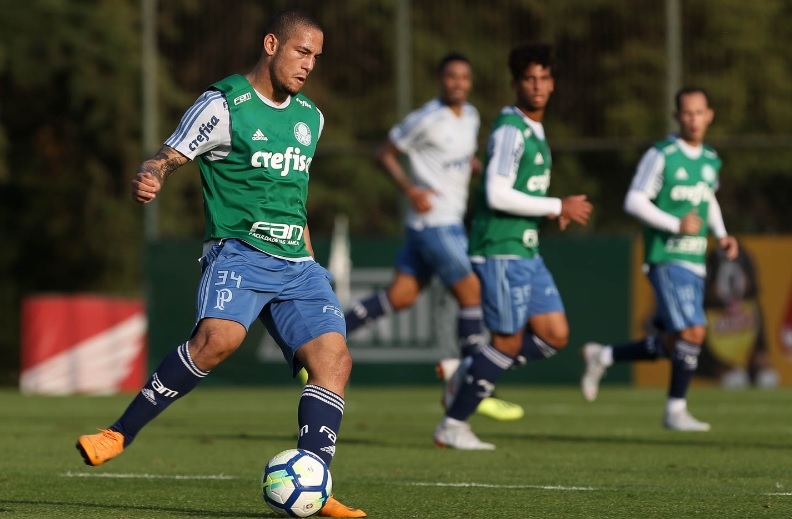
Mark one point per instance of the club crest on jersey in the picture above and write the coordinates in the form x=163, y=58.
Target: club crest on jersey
x=708, y=173
x=302, y=133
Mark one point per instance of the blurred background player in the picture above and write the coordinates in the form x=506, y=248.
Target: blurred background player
x=673, y=195
x=254, y=137
x=521, y=304
x=439, y=140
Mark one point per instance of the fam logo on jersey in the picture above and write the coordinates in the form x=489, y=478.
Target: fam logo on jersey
x=708, y=173
x=302, y=133
x=241, y=99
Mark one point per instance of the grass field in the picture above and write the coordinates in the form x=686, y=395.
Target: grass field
x=566, y=458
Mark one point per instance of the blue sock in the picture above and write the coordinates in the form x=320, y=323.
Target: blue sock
x=481, y=371
x=533, y=348
x=319, y=416
x=470, y=330
x=648, y=348
x=684, y=361
x=367, y=310
x=176, y=376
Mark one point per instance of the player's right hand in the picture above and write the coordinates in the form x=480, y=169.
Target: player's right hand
x=145, y=187
x=576, y=208
x=420, y=198
x=690, y=223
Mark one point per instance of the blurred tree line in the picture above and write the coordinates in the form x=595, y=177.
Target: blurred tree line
x=70, y=114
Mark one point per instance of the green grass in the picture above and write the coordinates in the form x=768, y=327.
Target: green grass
x=566, y=458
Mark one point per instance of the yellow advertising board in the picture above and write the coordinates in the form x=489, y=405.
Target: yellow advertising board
x=734, y=335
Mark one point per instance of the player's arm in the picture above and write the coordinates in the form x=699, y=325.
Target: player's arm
x=507, y=148
x=387, y=158
x=154, y=172
x=307, y=239
x=192, y=137
x=645, y=185
x=718, y=229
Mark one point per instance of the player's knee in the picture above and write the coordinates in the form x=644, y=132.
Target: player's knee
x=210, y=348
x=694, y=334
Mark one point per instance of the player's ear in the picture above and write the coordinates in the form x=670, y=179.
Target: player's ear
x=270, y=44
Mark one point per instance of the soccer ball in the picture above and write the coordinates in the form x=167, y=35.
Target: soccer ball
x=296, y=483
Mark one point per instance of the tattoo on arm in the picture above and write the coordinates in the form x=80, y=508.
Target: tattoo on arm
x=164, y=163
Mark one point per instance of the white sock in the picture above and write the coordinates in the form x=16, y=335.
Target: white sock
x=676, y=405
x=606, y=356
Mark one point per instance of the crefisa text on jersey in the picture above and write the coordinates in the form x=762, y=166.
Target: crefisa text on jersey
x=203, y=132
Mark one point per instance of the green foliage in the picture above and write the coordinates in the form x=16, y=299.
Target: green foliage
x=70, y=113
x=567, y=458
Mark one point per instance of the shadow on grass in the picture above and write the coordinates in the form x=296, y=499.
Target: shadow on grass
x=188, y=512
x=675, y=439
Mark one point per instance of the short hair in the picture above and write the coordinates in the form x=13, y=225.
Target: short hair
x=285, y=23
x=688, y=90
x=449, y=58
x=527, y=53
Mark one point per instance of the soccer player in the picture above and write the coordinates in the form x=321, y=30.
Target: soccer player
x=673, y=195
x=439, y=140
x=521, y=304
x=254, y=137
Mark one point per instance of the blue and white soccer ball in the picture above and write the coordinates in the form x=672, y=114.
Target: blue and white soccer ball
x=296, y=483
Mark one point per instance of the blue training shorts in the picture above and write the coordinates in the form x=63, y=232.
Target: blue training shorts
x=293, y=299
x=435, y=250
x=513, y=290
x=680, y=296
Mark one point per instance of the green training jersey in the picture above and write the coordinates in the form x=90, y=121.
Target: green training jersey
x=497, y=233
x=686, y=184
x=258, y=192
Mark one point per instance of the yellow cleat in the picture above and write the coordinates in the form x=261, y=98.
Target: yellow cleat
x=303, y=376
x=500, y=410
x=333, y=508
x=100, y=447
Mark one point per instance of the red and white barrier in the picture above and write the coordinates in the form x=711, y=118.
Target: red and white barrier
x=82, y=344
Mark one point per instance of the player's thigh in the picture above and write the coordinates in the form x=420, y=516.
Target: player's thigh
x=237, y=282
x=444, y=248
x=680, y=297
x=403, y=290
x=306, y=309
x=505, y=293
x=546, y=313
x=410, y=261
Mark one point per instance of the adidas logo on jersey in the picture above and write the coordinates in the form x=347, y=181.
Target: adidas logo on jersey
x=681, y=174
x=259, y=135
x=538, y=160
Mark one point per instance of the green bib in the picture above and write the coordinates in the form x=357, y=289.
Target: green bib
x=258, y=192
x=496, y=233
x=687, y=184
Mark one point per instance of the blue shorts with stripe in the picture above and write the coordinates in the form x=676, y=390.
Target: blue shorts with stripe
x=438, y=250
x=293, y=299
x=513, y=290
x=680, y=297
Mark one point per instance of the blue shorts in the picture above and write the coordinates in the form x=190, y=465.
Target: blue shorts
x=680, y=297
x=293, y=299
x=435, y=250
x=514, y=290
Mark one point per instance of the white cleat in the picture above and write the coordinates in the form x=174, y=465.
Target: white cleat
x=595, y=370
x=457, y=435
x=683, y=421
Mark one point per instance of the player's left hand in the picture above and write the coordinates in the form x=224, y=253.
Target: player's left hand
x=729, y=244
